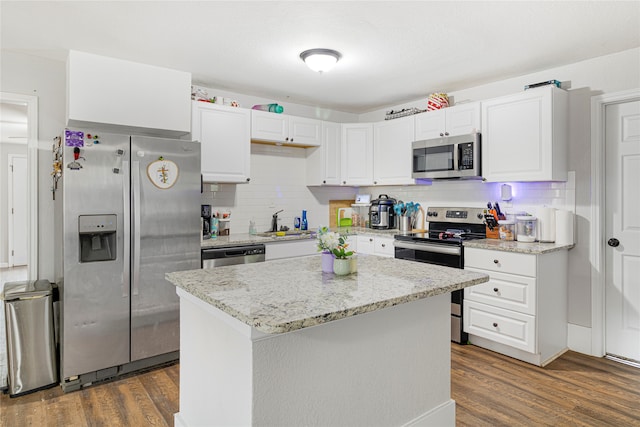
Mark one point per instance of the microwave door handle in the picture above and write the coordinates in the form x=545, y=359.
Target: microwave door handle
x=456, y=157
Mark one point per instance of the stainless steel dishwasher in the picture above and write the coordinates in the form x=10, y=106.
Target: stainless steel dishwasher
x=232, y=255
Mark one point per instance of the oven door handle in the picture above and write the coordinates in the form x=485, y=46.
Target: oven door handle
x=429, y=247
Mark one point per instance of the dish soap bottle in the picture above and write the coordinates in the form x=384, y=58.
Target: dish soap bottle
x=303, y=224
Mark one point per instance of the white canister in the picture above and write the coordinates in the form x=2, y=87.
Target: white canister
x=526, y=228
x=547, y=224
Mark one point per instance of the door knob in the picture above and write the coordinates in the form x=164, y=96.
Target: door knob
x=613, y=242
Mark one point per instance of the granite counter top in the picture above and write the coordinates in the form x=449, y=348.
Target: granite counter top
x=245, y=238
x=286, y=295
x=534, y=248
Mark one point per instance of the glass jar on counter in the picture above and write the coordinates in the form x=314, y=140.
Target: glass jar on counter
x=526, y=228
x=507, y=230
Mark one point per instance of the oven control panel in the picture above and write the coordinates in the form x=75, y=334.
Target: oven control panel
x=466, y=215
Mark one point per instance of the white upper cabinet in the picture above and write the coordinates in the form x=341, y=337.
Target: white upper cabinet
x=285, y=129
x=357, y=154
x=457, y=120
x=112, y=94
x=525, y=135
x=323, y=163
x=225, y=141
x=392, y=151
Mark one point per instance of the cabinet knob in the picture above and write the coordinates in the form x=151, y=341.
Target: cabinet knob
x=495, y=325
x=383, y=245
x=375, y=182
x=324, y=182
x=248, y=179
x=370, y=239
x=495, y=261
x=291, y=140
x=446, y=134
x=344, y=182
x=286, y=139
x=441, y=134
x=495, y=289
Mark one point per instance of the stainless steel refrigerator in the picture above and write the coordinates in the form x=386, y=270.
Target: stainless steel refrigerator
x=127, y=211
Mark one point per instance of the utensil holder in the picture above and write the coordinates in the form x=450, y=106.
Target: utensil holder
x=405, y=224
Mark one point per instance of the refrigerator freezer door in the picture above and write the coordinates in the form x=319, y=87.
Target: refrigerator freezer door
x=165, y=238
x=95, y=290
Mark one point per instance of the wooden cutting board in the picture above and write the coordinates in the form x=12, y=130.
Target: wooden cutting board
x=334, y=205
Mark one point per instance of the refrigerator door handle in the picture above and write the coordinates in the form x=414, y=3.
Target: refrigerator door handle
x=126, y=199
x=135, y=187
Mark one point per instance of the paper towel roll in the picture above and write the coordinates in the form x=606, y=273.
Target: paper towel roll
x=547, y=224
x=564, y=227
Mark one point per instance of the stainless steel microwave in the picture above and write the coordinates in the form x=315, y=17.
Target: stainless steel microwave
x=447, y=157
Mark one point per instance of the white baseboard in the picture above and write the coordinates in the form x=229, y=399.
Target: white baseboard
x=443, y=415
x=178, y=421
x=579, y=339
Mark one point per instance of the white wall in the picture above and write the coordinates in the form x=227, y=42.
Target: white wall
x=44, y=78
x=248, y=101
x=5, y=150
x=277, y=182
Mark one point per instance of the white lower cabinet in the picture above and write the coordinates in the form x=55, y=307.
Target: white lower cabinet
x=522, y=310
x=376, y=245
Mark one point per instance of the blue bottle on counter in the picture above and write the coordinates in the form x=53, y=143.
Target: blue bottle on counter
x=303, y=224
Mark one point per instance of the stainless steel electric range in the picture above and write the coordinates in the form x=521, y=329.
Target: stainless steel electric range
x=442, y=244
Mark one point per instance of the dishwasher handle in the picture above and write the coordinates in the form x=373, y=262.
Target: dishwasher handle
x=232, y=252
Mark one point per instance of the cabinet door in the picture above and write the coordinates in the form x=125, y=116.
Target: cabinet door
x=463, y=119
x=357, y=154
x=392, y=154
x=323, y=162
x=331, y=136
x=430, y=124
x=268, y=126
x=303, y=131
x=225, y=142
x=518, y=137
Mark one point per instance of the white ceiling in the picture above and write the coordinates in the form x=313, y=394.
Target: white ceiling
x=392, y=51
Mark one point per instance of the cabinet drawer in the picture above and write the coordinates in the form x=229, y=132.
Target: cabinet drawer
x=384, y=247
x=503, y=326
x=505, y=262
x=507, y=291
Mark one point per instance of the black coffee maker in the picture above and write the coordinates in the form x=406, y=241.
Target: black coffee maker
x=205, y=213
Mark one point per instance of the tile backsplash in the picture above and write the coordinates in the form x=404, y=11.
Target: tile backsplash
x=278, y=182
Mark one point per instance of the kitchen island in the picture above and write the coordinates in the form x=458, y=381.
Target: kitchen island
x=281, y=343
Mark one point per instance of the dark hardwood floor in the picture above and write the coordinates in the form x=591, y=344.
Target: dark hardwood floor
x=489, y=390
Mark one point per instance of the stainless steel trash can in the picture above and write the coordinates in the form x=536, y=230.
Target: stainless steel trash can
x=31, y=349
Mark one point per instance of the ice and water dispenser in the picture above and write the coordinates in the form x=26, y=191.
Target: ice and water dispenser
x=97, y=237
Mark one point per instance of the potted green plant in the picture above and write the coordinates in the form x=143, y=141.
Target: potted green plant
x=342, y=262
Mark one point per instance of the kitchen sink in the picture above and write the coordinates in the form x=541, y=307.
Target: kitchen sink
x=287, y=233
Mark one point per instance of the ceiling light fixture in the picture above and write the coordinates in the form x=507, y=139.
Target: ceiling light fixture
x=320, y=60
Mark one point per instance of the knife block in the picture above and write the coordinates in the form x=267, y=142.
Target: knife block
x=493, y=234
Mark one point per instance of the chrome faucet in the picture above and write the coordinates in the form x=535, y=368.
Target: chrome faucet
x=274, y=221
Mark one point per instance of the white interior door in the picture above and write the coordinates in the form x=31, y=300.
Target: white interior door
x=622, y=147
x=18, y=214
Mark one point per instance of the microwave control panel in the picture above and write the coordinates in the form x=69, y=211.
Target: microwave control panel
x=466, y=155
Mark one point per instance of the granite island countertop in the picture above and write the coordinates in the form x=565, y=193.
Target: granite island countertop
x=285, y=295
x=535, y=248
